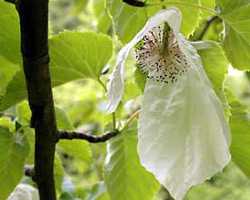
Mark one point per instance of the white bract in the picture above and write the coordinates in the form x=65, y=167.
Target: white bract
x=183, y=135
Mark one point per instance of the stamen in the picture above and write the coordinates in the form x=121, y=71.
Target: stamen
x=158, y=55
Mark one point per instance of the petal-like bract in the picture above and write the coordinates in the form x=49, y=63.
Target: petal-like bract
x=116, y=82
x=184, y=137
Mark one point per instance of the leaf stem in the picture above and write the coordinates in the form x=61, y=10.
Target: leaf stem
x=102, y=84
x=113, y=114
x=183, y=4
x=130, y=119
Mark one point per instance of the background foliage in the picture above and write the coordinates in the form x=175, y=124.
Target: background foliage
x=85, y=36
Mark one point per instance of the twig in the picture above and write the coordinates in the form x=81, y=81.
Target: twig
x=29, y=171
x=69, y=135
x=208, y=23
x=131, y=118
x=183, y=4
x=113, y=114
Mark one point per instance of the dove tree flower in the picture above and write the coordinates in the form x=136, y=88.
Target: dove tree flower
x=183, y=135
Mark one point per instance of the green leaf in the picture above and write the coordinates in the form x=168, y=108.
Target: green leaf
x=103, y=18
x=79, y=6
x=23, y=113
x=58, y=174
x=140, y=79
x=9, y=33
x=13, y=150
x=74, y=55
x=240, y=129
x=190, y=14
x=131, y=91
x=99, y=192
x=15, y=91
x=62, y=119
x=7, y=71
x=79, y=149
x=129, y=20
x=77, y=55
x=125, y=178
x=6, y=122
x=236, y=39
x=215, y=68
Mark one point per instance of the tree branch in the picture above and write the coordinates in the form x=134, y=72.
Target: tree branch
x=29, y=171
x=208, y=23
x=33, y=16
x=135, y=3
x=69, y=135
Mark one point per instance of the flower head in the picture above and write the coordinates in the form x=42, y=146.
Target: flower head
x=183, y=135
x=160, y=60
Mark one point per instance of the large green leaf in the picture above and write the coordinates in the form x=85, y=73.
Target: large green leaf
x=236, y=40
x=78, y=55
x=240, y=129
x=9, y=33
x=13, y=150
x=74, y=55
x=125, y=178
x=129, y=20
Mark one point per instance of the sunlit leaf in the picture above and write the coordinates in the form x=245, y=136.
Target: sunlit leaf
x=7, y=71
x=58, y=173
x=13, y=150
x=236, y=38
x=74, y=55
x=129, y=20
x=125, y=178
x=215, y=68
x=79, y=149
x=9, y=33
x=80, y=6
x=240, y=129
x=99, y=192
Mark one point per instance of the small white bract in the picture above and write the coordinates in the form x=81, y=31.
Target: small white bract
x=183, y=134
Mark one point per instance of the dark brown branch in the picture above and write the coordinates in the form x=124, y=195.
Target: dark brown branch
x=29, y=171
x=15, y=2
x=33, y=16
x=135, y=3
x=69, y=135
x=207, y=25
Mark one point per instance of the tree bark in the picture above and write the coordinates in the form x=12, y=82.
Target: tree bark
x=34, y=46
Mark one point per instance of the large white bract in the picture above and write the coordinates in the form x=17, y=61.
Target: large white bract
x=183, y=135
